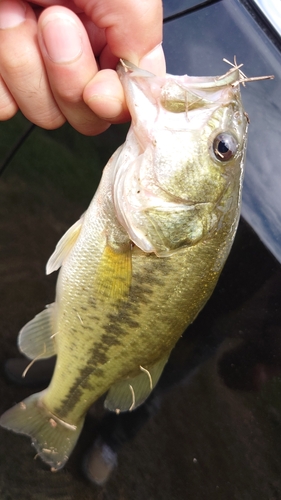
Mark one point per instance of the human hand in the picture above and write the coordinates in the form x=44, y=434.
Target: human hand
x=62, y=66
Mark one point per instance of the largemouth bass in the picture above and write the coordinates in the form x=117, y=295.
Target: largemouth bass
x=140, y=264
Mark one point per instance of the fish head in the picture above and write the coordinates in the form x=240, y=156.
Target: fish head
x=178, y=178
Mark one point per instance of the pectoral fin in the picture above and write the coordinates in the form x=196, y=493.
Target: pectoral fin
x=63, y=247
x=36, y=338
x=113, y=277
x=127, y=394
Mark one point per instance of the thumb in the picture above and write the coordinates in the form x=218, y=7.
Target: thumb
x=133, y=29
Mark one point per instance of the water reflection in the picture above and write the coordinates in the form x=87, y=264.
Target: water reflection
x=238, y=34
x=271, y=11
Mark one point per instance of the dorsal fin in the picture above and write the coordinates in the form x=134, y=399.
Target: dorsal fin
x=63, y=247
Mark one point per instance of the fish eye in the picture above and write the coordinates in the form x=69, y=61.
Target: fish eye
x=225, y=146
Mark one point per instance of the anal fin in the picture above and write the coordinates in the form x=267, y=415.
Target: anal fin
x=113, y=277
x=128, y=394
x=36, y=338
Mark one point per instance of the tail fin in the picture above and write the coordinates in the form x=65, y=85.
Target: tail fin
x=53, y=439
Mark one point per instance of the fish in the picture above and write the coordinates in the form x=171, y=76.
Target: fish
x=144, y=258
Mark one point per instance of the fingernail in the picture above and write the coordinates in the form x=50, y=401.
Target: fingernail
x=62, y=38
x=11, y=14
x=154, y=61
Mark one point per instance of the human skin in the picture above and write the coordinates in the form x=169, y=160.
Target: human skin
x=57, y=62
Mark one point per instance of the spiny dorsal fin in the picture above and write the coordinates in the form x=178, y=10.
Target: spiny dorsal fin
x=63, y=247
x=36, y=338
x=126, y=395
x=114, y=274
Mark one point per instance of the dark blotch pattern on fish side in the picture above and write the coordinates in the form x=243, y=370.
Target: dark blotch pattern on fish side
x=149, y=278
x=115, y=327
x=76, y=391
x=97, y=356
x=140, y=295
x=124, y=318
x=127, y=320
x=109, y=340
x=121, y=324
x=67, y=403
x=112, y=328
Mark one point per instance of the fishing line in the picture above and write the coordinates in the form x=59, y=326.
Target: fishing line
x=195, y=8
x=16, y=147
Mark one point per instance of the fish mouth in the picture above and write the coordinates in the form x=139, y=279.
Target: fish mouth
x=176, y=94
x=230, y=78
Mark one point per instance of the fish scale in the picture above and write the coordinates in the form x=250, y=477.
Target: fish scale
x=164, y=319
x=142, y=261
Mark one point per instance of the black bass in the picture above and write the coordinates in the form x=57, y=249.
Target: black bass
x=143, y=260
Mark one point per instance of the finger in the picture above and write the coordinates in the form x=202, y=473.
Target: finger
x=133, y=29
x=70, y=64
x=105, y=97
x=62, y=3
x=8, y=106
x=21, y=65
